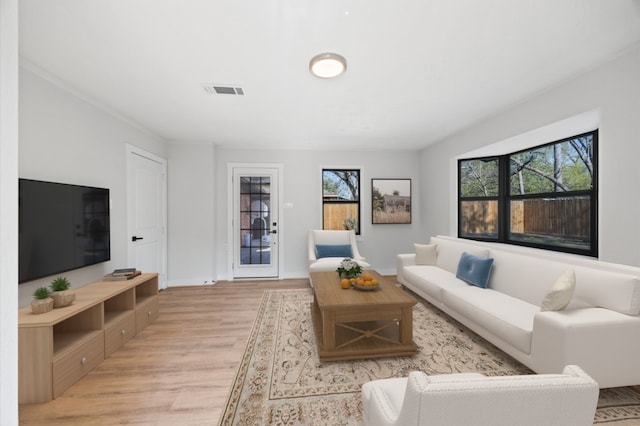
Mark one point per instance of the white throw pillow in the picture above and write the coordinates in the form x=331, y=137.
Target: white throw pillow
x=426, y=254
x=560, y=293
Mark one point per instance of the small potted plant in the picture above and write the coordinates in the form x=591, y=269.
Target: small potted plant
x=42, y=301
x=350, y=223
x=349, y=268
x=60, y=292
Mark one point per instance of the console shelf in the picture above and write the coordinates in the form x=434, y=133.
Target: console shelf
x=59, y=347
x=65, y=342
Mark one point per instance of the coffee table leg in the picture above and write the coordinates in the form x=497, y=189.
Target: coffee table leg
x=329, y=330
x=406, y=325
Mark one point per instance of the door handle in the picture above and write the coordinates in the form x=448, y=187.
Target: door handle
x=274, y=232
x=134, y=238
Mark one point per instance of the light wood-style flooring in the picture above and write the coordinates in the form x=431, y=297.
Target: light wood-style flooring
x=177, y=371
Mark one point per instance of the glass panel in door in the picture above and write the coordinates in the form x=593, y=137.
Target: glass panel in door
x=255, y=218
x=255, y=235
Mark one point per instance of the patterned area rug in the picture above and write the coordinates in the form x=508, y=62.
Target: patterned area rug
x=280, y=380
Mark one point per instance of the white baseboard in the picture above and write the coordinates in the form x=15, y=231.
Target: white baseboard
x=189, y=282
x=185, y=282
x=387, y=271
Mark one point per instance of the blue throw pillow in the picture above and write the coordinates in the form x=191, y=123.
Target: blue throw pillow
x=474, y=270
x=334, y=250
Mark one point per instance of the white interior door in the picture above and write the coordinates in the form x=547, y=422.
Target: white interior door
x=146, y=205
x=255, y=222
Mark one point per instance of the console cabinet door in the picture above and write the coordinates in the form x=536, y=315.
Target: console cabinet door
x=146, y=313
x=119, y=333
x=69, y=368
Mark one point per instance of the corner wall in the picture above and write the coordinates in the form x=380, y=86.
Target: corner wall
x=302, y=172
x=8, y=212
x=191, y=214
x=614, y=90
x=66, y=138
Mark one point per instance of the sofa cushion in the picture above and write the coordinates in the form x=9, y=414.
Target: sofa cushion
x=560, y=293
x=332, y=263
x=449, y=252
x=523, y=276
x=527, y=277
x=333, y=250
x=426, y=254
x=606, y=289
x=504, y=316
x=430, y=280
x=474, y=270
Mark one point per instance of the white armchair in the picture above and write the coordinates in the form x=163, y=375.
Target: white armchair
x=328, y=248
x=567, y=399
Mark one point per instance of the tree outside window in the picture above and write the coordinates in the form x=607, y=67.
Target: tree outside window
x=548, y=198
x=479, y=189
x=341, y=199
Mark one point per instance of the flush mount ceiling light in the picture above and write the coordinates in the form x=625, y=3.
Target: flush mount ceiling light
x=327, y=65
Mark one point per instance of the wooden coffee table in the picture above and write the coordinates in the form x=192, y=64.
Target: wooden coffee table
x=356, y=324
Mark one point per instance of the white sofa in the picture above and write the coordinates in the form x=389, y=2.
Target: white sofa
x=599, y=330
x=567, y=399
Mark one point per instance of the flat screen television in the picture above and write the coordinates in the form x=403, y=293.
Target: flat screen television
x=61, y=227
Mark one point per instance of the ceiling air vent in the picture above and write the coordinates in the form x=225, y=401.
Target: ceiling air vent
x=222, y=90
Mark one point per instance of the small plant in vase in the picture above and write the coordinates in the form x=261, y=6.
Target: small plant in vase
x=60, y=292
x=349, y=268
x=350, y=223
x=42, y=301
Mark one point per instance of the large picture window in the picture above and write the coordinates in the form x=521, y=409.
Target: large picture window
x=544, y=196
x=341, y=199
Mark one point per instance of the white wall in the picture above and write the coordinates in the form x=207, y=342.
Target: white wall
x=8, y=212
x=191, y=214
x=64, y=138
x=614, y=91
x=303, y=189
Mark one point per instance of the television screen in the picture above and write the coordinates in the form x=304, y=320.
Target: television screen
x=61, y=227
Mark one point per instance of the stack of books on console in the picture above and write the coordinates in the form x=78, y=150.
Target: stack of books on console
x=122, y=274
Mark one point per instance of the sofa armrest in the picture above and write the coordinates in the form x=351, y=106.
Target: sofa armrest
x=602, y=342
x=393, y=402
x=380, y=411
x=402, y=261
x=311, y=248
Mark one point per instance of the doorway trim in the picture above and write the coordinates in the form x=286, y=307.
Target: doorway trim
x=134, y=150
x=231, y=242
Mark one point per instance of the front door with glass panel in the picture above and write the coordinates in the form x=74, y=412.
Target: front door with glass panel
x=255, y=223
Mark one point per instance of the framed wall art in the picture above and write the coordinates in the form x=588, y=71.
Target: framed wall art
x=390, y=201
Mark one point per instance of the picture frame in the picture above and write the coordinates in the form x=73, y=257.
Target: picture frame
x=390, y=201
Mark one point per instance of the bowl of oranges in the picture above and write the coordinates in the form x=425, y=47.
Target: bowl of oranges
x=365, y=282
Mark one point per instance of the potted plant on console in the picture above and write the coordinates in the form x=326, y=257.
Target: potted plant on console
x=60, y=292
x=42, y=301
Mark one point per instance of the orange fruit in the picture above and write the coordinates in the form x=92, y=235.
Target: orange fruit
x=374, y=282
x=345, y=283
x=367, y=276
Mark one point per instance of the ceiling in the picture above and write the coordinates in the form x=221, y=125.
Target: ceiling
x=417, y=70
